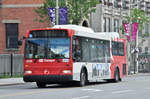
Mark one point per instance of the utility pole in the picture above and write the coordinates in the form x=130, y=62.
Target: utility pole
x=130, y=41
x=137, y=44
x=57, y=12
x=134, y=55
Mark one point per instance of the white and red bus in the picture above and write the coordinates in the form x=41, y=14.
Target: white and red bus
x=68, y=53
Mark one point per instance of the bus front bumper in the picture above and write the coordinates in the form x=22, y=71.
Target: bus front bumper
x=47, y=78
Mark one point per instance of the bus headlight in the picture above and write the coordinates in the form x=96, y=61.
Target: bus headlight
x=28, y=72
x=66, y=71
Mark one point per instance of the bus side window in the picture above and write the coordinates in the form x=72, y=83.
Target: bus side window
x=76, y=52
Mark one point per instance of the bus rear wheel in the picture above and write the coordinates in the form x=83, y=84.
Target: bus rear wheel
x=116, y=76
x=40, y=85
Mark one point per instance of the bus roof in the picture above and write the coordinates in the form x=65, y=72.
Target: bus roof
x=111, y=35
x=88, y=32
x=75, y=27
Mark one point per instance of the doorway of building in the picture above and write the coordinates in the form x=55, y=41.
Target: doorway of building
x=85, y=23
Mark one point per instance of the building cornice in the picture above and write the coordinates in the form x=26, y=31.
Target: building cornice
x=21, y=5
x=11, y=21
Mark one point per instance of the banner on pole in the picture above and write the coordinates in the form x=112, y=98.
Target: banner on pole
x=51, y=12
x=63, y=15
x=134, y=31
x=127, y=30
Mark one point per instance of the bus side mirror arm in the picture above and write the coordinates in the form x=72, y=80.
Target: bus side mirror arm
x=24, y=37
x=20, y=42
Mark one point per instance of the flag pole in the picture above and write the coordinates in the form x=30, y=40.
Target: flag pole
x=57, y=12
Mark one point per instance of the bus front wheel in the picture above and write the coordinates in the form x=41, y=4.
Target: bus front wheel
x=83, y=78
x=40, y=85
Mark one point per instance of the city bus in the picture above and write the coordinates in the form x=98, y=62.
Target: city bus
x=71, y=53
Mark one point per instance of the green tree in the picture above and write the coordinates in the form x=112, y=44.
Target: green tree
x=80, y=8
x=141, y=18
x=77, y=9
x=43, y=12
x=138, y=16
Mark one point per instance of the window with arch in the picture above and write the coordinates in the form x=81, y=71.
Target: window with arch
x=115, y=3
x=146, y=50
x=140, y=50
x=124, y=4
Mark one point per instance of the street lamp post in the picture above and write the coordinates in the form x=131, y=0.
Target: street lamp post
x=136, y=42
x=57, y=12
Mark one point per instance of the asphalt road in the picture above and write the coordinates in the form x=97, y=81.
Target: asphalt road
x=133, y=87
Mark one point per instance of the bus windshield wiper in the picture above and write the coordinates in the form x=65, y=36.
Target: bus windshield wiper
x=56, y=56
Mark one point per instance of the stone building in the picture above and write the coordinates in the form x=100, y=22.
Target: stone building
x=110, y=15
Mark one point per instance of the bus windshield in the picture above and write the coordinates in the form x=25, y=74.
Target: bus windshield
x=47, y=48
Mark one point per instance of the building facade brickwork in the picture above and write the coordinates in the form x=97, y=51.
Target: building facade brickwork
x=18, y=14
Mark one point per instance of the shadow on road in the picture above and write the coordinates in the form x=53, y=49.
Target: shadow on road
x=70, y=85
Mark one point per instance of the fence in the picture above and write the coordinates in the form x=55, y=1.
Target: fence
x=11, y=64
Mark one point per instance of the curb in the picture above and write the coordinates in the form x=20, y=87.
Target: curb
x=11, y=84
x=138, y=74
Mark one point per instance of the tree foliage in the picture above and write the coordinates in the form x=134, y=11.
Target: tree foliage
x=138, y=16
x=77, y=9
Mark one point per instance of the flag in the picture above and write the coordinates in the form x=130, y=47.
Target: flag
x=63, y=15
x=127, y=30
x=51, y=12
x=134, y=31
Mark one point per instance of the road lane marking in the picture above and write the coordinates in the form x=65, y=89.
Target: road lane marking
x=122, y=91
x=23, y=93
x=148, y=88
x=30, y=93
x=92, y=90
x=33, y=92
x=81, y=97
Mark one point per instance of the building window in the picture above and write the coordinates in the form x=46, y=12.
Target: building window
x=104, y=24
x=139, y=4
x=139, y=31
x=0, y=3
x=116, y=25
x=146, y=50
x=133, y=4
x=140, y=50
x=108, y=2
x=146, y=29
x=146, y=8
x=108, y=24
x=124, y=4
x=11, y=35
x=116, y=3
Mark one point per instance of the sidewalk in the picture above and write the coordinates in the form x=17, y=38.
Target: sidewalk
x=11, y=81
x=139, y=74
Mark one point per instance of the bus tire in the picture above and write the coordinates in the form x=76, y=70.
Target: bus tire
x=40, y=85
x=83, y=78
x=116, y=76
